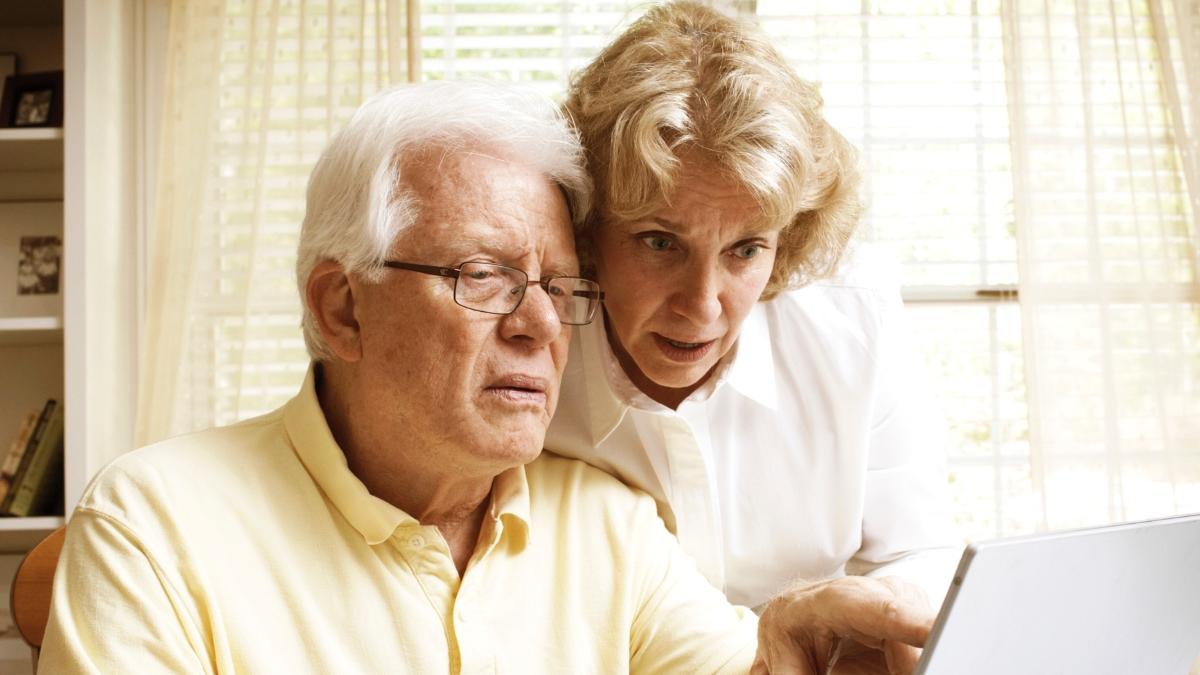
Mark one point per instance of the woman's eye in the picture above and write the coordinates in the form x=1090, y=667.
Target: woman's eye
x=656, y=242
x=747, y=251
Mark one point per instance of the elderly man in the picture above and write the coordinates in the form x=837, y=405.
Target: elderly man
x=395, y=516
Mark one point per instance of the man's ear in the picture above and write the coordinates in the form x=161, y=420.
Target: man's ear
x=330, y=299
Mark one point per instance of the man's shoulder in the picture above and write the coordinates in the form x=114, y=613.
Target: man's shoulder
x=204, y=462
x=557, y=479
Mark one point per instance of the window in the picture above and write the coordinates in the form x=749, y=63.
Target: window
x=919, y=87
x=1006, y=145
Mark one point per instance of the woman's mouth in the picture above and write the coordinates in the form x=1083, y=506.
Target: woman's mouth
x=680, y=351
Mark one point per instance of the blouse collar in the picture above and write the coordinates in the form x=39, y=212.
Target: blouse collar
x=748, y=369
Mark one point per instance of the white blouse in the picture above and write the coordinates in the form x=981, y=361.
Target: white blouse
x=813, y=452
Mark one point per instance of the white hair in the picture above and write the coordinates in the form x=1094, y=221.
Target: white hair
x=358, y=202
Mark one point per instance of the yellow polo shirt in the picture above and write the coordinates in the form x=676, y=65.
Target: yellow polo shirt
x=254, y=549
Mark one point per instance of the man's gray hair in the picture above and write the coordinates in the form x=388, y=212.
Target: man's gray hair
x=358, y=202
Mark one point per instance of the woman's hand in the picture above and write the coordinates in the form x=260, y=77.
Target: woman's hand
x=847, y=626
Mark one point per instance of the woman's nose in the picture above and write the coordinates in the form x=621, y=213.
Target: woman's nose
x=697, y=296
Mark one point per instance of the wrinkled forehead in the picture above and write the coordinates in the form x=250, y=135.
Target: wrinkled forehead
x=472, y=201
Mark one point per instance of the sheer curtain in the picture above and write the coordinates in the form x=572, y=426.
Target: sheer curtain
x=253, y=90
x=1046, y=146
x=1103, y=154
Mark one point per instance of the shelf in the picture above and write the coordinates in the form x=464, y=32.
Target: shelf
x=31, y=149
x=33, y=14
x=32, y=330
x=18, y=535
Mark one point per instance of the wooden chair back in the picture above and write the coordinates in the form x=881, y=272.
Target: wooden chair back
x=31, y=588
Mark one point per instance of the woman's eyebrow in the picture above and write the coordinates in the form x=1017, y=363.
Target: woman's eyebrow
x=668, y=224
x=755, y=230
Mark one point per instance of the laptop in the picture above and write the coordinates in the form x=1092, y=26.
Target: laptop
x=1117, y=600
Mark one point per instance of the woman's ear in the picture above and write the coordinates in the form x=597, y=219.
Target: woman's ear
x=330, y=298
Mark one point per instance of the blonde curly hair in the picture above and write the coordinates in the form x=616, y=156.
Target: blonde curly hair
x=684, y=78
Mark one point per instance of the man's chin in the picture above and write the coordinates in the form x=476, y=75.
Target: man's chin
x=520, y=443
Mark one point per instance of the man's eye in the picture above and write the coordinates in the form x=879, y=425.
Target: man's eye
x=479, y=275
x=748, y=251
x=656, y=242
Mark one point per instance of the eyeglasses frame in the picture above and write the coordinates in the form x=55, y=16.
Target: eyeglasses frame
x=544, y=282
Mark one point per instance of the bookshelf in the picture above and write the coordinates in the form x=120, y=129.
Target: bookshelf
x=32, y=328
x=20, y=534
x=31, y=149
x=82, y=179
x=81, y=350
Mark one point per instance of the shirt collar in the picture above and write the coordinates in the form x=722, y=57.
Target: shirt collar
x=510, y=503
x=749, y=369
x=604, y=406
x=374, y=518
x=752, y=372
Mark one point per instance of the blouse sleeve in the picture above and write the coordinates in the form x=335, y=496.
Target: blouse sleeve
x=906, y=522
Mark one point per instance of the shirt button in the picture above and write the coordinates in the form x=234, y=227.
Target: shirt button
x=416, y=541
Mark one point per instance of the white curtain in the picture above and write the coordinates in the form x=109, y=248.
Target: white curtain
x=1104, y=152
x=1089, y=147
x=253, y=90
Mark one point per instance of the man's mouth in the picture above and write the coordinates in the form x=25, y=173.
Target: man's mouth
x=519, y=387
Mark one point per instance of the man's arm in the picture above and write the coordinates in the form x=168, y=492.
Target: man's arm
x=683, y=624
x=113, y=610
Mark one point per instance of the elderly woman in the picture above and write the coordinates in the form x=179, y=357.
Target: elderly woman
x=751, y=371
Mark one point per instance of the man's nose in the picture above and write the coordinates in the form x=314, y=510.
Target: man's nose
x=535, y=319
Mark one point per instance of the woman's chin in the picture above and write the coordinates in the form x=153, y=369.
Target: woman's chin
x=675, y=376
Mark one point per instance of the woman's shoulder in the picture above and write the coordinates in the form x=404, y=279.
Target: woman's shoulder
x=865, y=287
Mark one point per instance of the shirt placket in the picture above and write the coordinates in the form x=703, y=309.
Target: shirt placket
x=457, y=600
x=693, y=497
x=471, y=622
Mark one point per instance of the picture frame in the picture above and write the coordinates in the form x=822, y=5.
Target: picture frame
x=39, y=265
x=31, y=241
x=32, y=100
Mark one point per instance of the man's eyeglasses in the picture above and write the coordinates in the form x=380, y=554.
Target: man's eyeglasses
x=496, y=289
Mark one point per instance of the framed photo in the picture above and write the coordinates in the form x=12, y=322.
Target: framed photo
x=37, y=265
x=31, y=251
x=32, y=100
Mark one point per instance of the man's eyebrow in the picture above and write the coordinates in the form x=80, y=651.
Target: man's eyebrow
x=559, y=271
x=465, y=249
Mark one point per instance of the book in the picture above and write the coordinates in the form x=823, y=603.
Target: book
x=12, y=458
x=38, y=430
x=35, y=491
